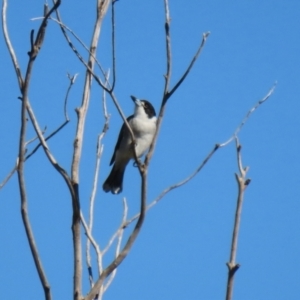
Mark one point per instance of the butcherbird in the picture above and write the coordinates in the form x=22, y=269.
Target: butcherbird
x=143, y=125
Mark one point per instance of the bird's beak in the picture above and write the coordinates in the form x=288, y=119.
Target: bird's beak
x=136, y=101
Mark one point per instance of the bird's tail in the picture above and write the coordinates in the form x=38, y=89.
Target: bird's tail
x=114, y=182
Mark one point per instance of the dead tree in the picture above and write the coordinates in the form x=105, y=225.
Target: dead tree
x=106, y=81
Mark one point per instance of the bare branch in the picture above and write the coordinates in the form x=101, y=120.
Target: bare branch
x=118, y=247
x=94, y=189
x=37, y=44
x=42, y=30
x=167, y=94
x=46, y=148
x=167, y=82
x=249, y=113
x=64, y=29
x=95, y=245
x=124, y=252
x=9, y=45
x=120, y=229
x=32, y=152
x=178, y=184
x=113, y=44
x=242, y=184
x=168, y=49
x=216, y=147
x=46, y=139
x=101, y=10
x=31, y=240
x=205, y=36
x=119, y=234
x=81, y=114
x=22, y=187
x=33, y=139
x=92, y=201
x=10, y=174
x=72, y=81
x=100, y=254
x=24, y=87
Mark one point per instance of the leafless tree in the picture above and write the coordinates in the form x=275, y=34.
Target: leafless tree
x=106, y=81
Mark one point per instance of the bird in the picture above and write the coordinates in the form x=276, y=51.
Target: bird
x=143, y=125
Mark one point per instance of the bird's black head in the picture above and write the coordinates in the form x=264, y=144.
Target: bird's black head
x=148, y=107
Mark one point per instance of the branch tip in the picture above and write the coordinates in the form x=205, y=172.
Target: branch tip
x=206, y=35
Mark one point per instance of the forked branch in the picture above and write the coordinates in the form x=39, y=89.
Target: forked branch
x=124, y=252
x=52, y=134
x=24, y=88
x=167, y=92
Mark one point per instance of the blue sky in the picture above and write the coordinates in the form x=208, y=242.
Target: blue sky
x=184, y=245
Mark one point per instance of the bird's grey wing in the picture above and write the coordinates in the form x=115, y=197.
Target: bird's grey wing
x=123, y=132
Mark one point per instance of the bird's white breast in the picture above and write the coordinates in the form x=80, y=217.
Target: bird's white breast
x=143, y=129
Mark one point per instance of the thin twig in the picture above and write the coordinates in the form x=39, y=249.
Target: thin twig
x=118, y=247
x=32, y=152
x=33, y=139
x=119, y=233
x=101, y=10
x=94, y=189
x=204, y=38
x=93, y=241
x=249, y=113
x=113, y=44
x=92, y=201
x=10, y=47
x=10, y=174
x=47, y=138
x=72, y=81
x=63, y=26
x=119, y=230
x=178, y=184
